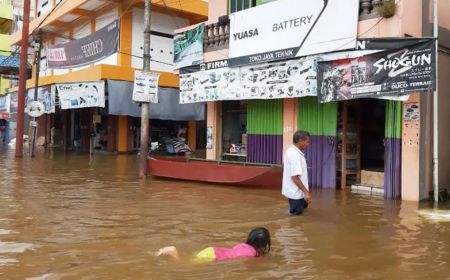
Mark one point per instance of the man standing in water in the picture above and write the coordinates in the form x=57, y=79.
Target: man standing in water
x=295, y=174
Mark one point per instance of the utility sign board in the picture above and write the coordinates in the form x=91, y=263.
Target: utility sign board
x=145, y=87
x=286, y=29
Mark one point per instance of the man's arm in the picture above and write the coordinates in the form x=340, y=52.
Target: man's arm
x=302, y=187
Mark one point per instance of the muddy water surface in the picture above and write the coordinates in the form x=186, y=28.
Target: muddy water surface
x=63, y=218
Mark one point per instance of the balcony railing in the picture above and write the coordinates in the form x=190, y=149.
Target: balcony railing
x=217, y=35
x=6, y=2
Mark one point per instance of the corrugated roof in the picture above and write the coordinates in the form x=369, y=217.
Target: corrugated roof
x=10, y=63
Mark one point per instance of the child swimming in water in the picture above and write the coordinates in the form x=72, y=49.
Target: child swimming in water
x=257, y=244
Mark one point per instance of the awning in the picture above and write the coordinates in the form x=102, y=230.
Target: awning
x=11, y=63
x=168, y=108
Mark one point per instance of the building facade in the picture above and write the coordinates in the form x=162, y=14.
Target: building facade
x=362, y=142
x=58, y=22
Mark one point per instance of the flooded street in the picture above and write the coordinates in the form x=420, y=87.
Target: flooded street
x=63, y=218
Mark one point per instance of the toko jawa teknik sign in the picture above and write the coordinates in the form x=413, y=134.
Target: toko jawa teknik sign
x=286, y=29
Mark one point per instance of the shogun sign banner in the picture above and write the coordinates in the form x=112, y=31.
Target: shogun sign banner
x=87, y=50
x=81, y=95
x=388, y=73
x=46, y=95
x=216, y=81
x=286, y=29
x=188, y=47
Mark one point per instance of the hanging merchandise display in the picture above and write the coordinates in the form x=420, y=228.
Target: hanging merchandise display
x=394, y=72
x=81, y=95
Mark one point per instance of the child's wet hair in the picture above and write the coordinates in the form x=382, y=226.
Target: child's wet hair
x=259, y=238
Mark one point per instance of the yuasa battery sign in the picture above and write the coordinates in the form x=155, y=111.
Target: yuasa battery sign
x=292, y=28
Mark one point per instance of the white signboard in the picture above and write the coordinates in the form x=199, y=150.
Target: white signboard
x=145, y=87
x=46, y=95
x=81, y=95
x=285, y=79
x=292, y=28
x=35, y=109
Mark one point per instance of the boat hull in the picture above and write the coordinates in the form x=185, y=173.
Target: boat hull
x=235, y=174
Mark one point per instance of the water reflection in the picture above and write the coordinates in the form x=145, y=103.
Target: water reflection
x=64, y=217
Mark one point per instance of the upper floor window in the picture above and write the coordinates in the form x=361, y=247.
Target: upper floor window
x=239, y=5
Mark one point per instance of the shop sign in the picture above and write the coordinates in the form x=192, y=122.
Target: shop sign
x=145, y=87
x=90, y=49
x=188, y=47
x=81, y=95
x=292, y=28
x=35, y=109
x=394, y=72
x=294, y=78
x=45, y=95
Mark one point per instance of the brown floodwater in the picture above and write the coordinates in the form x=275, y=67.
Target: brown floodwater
x=64, y=217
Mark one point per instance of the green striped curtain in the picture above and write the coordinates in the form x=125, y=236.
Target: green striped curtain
x=393, y=150
x=393, y=128
x=316, y=118
x=265, y=117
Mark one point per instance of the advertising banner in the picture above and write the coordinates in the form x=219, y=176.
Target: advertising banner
x=394, y=72
x=286, y=29
x=4, y=106
x=46, y=95
x=145, y=87
x=87, y=50
x=188, y=47
x=81, y=95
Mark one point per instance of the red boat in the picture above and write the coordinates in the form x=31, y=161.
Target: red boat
x=218, y=172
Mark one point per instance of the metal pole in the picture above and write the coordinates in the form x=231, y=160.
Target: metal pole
x=145, y=107
x=435, y=110
x=22, y=78
x=36, y=87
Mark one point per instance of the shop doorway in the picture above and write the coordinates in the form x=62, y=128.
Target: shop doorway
x=361, y=129
x=234, y=130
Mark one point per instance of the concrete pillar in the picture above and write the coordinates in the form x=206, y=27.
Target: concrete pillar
x=290, y=121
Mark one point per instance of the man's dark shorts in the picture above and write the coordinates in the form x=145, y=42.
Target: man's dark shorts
x=296, y=206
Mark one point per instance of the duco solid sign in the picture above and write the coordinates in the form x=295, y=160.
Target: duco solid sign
x=35, y=109
x=292, y=28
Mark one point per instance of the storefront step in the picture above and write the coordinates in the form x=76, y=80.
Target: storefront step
x=365, y=189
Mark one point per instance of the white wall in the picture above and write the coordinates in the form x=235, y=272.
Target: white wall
x=44, y=6
x=101, y=22
x=161, y=47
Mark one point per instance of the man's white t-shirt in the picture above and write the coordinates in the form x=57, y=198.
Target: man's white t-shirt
x=294, y=165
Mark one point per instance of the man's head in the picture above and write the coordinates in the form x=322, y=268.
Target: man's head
x=301, y=139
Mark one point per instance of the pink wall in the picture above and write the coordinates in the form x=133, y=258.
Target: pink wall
x=411, y=156
x=213, y=121
x=407, y=20
x=290, y=122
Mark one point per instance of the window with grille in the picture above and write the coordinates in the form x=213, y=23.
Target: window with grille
x=239, y=5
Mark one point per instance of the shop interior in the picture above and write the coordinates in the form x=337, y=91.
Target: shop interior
x=234, y=130
x=362, y=121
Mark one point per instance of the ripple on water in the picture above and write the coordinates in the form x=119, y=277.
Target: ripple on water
x=12, y=247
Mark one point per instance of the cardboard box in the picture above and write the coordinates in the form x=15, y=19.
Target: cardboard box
x=244, y=139
x=372, y=178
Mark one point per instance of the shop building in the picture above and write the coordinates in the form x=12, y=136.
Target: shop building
x=384, y=143
x=74, y=125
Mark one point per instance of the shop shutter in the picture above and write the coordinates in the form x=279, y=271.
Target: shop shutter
x=265, y=131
